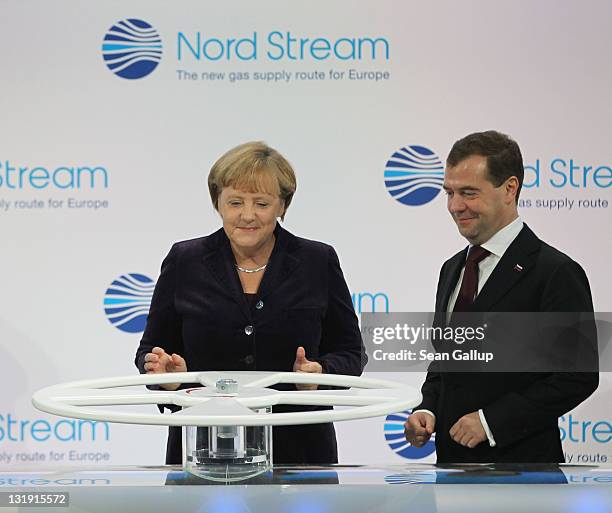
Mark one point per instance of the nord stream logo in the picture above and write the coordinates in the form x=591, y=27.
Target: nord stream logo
x=127, y=302
x=394, y=435
x=132, y=49
x=67, y=177
x=414, y=175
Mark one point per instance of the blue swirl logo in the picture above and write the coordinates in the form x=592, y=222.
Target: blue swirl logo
x=132, y=49
x=394, y=435
x=127, y=302
x=414, y=175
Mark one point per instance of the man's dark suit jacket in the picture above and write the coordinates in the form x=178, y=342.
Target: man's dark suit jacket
x=199, y=311
x=521, y=409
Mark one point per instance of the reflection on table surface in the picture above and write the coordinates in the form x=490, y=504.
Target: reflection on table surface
x=328, y=489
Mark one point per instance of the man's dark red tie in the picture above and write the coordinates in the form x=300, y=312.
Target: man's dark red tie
x=469, y=285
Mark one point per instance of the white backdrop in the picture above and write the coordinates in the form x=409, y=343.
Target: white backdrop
x=537, y=71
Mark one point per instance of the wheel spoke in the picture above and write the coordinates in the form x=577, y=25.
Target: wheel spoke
x=216, y=407
x=352, y=397
x=244, y=378
x=259, y=381
x=110, y=397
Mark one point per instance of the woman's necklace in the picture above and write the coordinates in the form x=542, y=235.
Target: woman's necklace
x=254, y=270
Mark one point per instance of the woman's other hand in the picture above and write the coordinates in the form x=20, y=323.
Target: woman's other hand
x=303, y=364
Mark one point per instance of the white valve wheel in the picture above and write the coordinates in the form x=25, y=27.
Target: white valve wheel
x=206, y=406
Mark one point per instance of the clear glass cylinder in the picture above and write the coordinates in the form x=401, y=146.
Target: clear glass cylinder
x=228, y=453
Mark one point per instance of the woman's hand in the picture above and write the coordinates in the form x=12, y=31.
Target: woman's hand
x=158, y=362
x=302, y=364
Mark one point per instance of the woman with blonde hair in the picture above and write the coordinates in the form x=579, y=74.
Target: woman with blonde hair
x=252, y=296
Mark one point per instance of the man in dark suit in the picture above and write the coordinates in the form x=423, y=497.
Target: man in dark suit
x=501, y=417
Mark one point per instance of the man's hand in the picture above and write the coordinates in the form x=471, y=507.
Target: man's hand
x=419, y=427
x=158, y=361
x=302, y=364
x=468, y=431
